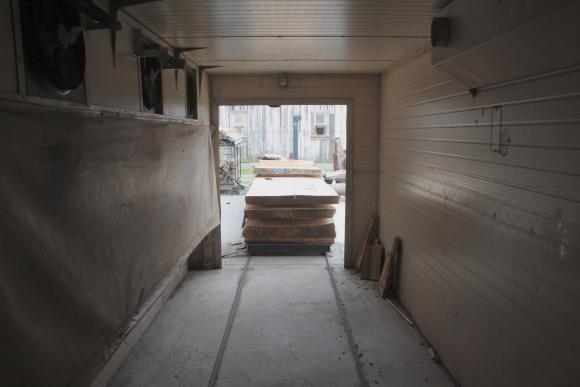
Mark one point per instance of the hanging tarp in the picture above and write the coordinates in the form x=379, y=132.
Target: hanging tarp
x=95, y=208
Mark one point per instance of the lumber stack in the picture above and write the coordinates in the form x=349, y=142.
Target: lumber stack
x=290, y=211
x=227, y=172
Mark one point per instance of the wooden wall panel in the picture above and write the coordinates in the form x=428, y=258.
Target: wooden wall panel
x=491, y=241
x=360, y=91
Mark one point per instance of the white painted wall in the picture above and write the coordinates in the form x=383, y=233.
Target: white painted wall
x=491, y=240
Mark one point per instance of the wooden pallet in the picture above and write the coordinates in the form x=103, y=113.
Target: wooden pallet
x=287, y=249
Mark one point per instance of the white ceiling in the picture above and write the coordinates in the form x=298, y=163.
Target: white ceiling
x=250, y=36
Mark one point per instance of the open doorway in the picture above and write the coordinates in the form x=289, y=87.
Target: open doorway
x=291, y=139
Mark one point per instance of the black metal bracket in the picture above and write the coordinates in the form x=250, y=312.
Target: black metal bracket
x=201, y=69
x=116, y=6
x=177, y=54
x=180, y=50
x=169, y=62
x=144, y=50
x=99, y=18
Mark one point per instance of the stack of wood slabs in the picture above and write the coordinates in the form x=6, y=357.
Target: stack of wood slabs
x=286, y=168
x=286, y=212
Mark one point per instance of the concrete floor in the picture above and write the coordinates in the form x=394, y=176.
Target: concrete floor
x=279, y=321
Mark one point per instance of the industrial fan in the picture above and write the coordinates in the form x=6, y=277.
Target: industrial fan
x=151, y=87
x=54, y=47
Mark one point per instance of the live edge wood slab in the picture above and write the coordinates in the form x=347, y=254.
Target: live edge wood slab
x=287, y=168
x=292, y=212
x=290, y=191
x=275, y=230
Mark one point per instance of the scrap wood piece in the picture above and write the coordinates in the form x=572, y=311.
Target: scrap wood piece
x=371, y=268
x=360, y=256
x=389, y=268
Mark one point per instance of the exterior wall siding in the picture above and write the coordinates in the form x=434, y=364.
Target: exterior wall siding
x=270, y=130
x=491, y=233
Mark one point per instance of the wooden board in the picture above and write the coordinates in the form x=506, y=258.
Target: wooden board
x=273, y=230
x=388, y=272
x=286, y=168
x=296, y=212
x=366, y=240
x=371, y=268
x=290, y=191
x=300, y=241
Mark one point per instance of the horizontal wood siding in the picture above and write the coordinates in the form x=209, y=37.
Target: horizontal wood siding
x=360, y=91
x=270, y=130
x=491, y=240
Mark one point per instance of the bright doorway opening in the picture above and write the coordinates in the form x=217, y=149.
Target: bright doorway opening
x=292, y=140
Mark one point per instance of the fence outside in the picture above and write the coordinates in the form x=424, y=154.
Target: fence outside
x=295, y=131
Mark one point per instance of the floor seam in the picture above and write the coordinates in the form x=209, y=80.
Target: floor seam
x=233, y=311
x=346, y=326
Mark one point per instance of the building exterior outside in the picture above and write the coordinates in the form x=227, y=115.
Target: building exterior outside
x=294, y=131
